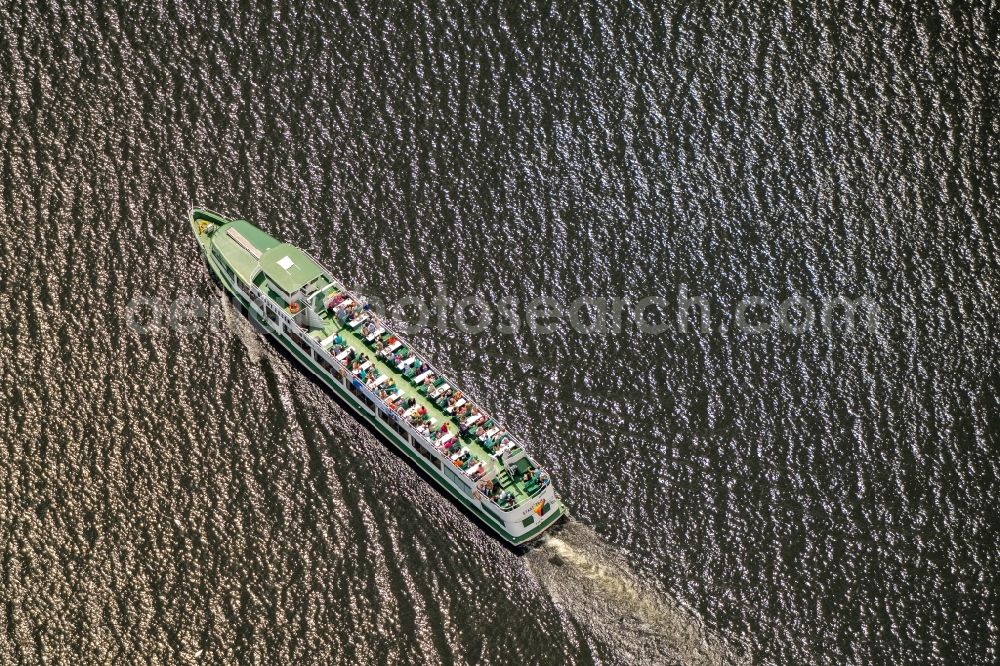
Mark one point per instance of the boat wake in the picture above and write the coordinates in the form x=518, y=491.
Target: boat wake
x=243, y=329
x=632, y=619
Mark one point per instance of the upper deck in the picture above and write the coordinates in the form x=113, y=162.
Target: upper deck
x=362, y=344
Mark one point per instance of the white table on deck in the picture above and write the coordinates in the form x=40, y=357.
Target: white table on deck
x=473, y=420
x=381, y=380
x=426, y=427
x=457, y=405
x=357, y=322
x=507, y=446
x=404, y=364
x=377, y=332
x=422, y=376
x=344, y=354
x=439, y=390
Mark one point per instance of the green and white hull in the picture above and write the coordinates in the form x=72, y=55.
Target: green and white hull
x=286, y=292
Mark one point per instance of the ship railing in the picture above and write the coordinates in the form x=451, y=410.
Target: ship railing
x=344, y=371
x=389, y=330
x=492, y=465
x=493, y=462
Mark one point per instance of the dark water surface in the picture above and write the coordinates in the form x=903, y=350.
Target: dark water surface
x=189, y=496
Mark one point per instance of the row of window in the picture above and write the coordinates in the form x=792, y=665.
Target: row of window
x=297, y=339
x=386, y=417
x=393, y=422
x=426, y=453
x=362, y=396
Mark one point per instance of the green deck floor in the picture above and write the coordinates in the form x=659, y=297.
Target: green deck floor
x=356, y=341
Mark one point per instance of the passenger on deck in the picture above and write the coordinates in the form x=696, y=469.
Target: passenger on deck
x=528, y=474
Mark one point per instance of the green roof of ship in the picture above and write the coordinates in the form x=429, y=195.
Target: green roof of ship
x=243, y=244
x=289, y=268
x=246, y=248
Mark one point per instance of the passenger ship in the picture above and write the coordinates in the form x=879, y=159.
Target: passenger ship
x=381, y=377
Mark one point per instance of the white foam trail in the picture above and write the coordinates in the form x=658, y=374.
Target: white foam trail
x=641, y=624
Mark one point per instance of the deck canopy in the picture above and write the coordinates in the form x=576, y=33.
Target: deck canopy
x=289, y=268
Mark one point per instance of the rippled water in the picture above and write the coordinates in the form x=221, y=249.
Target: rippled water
x=188, y=495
